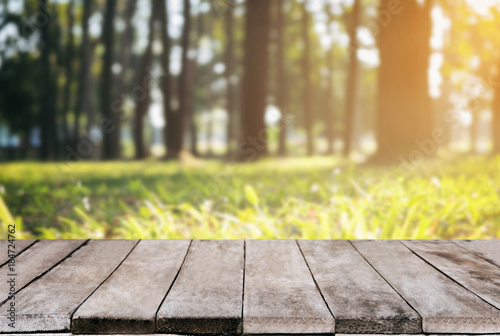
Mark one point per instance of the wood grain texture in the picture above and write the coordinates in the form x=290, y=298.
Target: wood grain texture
x=206, y=298
x=41, y=334
x=21, y=245
x=471, y=271
x=486, y=249
x=445, y=306
x=280, y=294
x=359, y=298
x=128, y=301
x=386, y=334
x=46, y=305
x=452, y=287
x=36, y=260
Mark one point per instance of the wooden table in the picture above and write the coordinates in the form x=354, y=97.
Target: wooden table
x=251, y=287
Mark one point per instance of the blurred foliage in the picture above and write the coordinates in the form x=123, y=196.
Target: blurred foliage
x=289, y=198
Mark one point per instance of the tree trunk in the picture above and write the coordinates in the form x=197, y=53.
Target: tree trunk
x=111, y=121
x=404, y=114
x=308, y=112
x=144, y=101
x=189, y=106
x=178, y=119
x=281, y=76
x=24, y=145
x=352, y=79
x=496, y=113
x=59, y=64
x=165, y=65
x=210, y=125
x=330, y=90
x=84, y=76
x=127, y=40
x=69, y=69
x=90, y=105
x=47, y=113
x=254, y=137
x=193, y=132
x=474, y=129
x=229, y=60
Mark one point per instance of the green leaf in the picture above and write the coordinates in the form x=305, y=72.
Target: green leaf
x=251, y=195
x=5, y=215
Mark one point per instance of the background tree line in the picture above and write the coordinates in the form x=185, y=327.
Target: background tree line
x=391, y=80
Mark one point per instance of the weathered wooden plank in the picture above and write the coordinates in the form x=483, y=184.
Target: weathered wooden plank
x=207, y=295
x=419, y=335
x=128, y=301
x=35, y=261
x=445, y=306
x=280, y=293
x=466, y=268
x=20, y=246
x=389, y=334
x=46, y=305
x=359, y=298
x=44, y=334
x=486, y=249
x=58, y=334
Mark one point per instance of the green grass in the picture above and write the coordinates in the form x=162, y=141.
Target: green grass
x=292, y=198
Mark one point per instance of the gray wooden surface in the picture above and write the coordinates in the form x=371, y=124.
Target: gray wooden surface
x=48, y=304
x=280, y=293
x=19, y=246
x=129, y=299
x=207, y=296
x=445, y=306
x=360, y=299
x=279, y=287
x=487, y=249
x=37, y=260
x=474, y=273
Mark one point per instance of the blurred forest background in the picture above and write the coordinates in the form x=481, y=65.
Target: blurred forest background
x=216, y=82
x=139, y=78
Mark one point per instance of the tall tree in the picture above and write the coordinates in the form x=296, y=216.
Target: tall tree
x=177, y=119
x=20, y=97
x=229, y=73
x=142, y=105
x=165, y=65
x=197, y=79
x=210, y=116
x=257, y=21
x=47, y=112
x=281, y=74
x=69, y=58
x=329, y=88
x=404, y=106
x=111, y=121
x=122, y=80
x=352, y=77
x=308, y=112
x=191, y=120
x=84, y=75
